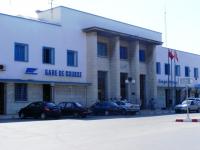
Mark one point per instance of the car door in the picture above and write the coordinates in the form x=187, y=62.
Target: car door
x=29, y=111
x=62, y=107
x=69, y=109
x=193, y=106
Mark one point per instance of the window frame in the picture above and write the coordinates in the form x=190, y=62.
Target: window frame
x=158, y=68
x=105, y=51
x=167, y=64
x=177, y=70
x=187, y=67
x=26, y=52
x=196, y=73
x=21, y=96
x=75, y=54
x=123, y=52
x=142, y=55
x=52, y=60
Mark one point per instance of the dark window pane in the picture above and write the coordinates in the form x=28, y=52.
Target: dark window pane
x=142, y=56
x=20, y=92
x=101, y=49
x=123, y=52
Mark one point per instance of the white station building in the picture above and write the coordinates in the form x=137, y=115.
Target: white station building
x=69, y=55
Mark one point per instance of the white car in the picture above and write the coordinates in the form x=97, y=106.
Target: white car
x=192, y=104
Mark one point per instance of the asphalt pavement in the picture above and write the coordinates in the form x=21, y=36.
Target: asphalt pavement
x=101, y=133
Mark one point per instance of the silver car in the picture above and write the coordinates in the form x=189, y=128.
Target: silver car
x=193, y=106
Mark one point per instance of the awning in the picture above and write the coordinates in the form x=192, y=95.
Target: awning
x=44, y=82
x=107, y=32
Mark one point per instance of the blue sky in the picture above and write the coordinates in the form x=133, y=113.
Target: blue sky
x=183, y=21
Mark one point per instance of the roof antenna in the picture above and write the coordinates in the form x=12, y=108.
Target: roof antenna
x=52, y=9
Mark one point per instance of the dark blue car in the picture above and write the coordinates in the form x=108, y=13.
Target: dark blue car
x=105, y=108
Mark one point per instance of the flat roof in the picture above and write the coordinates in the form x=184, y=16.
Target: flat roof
x=103, y=31
x=31, y=19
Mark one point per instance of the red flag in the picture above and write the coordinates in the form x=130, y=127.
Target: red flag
x=170, y=54
x=175, y=56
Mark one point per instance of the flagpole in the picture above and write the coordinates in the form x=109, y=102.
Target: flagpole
x=171, y=90
x=174, y=80
x=168, y=90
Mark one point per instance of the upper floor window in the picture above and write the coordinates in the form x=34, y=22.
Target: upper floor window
x=21, y=52
x=142, y=56
x=167, y=69
x=20, y=92
x=72, y=58
x=123, y=52
x=196, y=73
x=177, y=70
x=102, y=49
x=187, y=71
x=158, y=68
x=48, y=55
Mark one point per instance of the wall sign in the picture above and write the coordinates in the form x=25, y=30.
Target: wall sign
x=62, y=73
x=31, y=71
x=165, y=82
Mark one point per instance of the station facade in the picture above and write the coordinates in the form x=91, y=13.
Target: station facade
x=69, y=55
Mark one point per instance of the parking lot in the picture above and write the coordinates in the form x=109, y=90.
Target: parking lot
x=101, y=133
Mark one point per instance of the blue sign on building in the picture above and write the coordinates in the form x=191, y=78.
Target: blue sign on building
x=62, y=73
x=31, y=71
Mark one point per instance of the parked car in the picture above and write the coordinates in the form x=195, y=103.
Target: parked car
x=193, y=106
x=40, y=109
x=106, y=108
x=127, y=107
x=73, y=109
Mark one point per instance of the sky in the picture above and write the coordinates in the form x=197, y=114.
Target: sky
x=182, y=16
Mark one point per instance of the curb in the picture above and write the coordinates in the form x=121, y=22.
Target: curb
x=187, y=120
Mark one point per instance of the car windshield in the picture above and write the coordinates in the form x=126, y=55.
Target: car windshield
x=186, y=102
x=51, y=105
x=78, y=104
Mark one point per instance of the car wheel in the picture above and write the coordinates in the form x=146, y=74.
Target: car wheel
x=21, y=115
x=106, y=113
x=43, y=116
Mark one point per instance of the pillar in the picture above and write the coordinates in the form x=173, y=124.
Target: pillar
x=134, y=71
x=114, y=68
x=92, y=90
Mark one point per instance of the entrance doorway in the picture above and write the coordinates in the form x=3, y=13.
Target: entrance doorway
x=142, y=91
x=167, y=98
x=47, y=95
x=102, y=81
x=2, y=99
x=123, y=88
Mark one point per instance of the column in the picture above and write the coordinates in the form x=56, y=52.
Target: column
x=134, y=71
x=92, y=90
x=114, y=68
x=151, y=73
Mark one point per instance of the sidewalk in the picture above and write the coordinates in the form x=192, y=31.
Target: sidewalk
x=155, y=112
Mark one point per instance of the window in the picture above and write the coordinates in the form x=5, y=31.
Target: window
x=158, y=68
x=123, y=52
x=48, y=55
x=187, y=71
x=167, y=69
x=177, y=70
x=102, y=49
x=142, y=56
x=21, y=52
x=196, y=73
x=20, y=92
x=72, y=58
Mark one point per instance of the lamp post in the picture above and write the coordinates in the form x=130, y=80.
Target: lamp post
x=130, y=81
